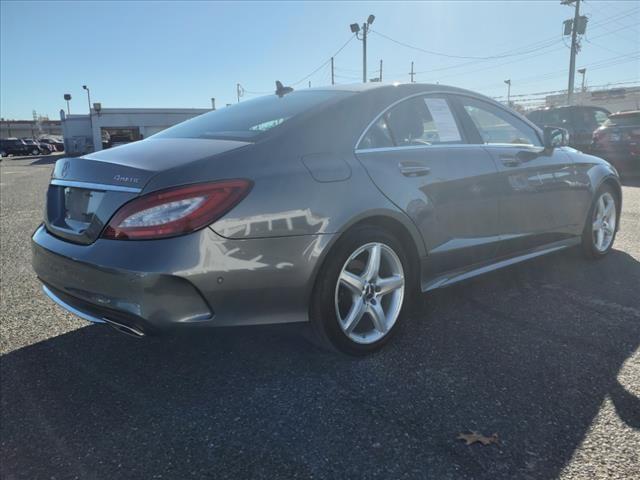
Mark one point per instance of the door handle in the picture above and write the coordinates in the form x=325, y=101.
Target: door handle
x=412, y=169
x=510, y=161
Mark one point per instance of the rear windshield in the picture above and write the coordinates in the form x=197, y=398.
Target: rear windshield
x=249, y=119
x=626, y=120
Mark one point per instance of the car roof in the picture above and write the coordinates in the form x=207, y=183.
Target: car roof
x=625, y=113
x=565, y=107
x=370, y=86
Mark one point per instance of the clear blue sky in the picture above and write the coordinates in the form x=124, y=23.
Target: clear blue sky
x=180, y=54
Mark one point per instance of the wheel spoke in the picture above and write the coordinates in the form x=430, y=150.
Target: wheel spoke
x=355, y=314
x=607, y=210
x=377, y=317
x=352, y=282
x=597, y=225
x=389, y=284
x=373, y=263
x=600, y=207
x=600, y=238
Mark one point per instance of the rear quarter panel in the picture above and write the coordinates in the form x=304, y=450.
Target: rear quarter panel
x=591, y=173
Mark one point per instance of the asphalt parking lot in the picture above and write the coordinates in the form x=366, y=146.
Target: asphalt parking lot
x=545, y=354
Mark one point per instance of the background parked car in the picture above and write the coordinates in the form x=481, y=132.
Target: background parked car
x=44, y=149
x=580, y=121
x=57, y=144
x=15, y=146
x=618, y=141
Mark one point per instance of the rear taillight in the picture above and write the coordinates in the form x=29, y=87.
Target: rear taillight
x=176, y=211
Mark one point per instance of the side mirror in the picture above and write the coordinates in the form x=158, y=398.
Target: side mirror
x=555, y=137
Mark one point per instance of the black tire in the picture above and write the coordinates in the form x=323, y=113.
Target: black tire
x=325, y=325
x=588, y=238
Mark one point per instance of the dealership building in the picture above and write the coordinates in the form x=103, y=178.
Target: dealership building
x=109, y=127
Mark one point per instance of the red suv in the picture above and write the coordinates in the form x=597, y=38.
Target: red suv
x=618, y=141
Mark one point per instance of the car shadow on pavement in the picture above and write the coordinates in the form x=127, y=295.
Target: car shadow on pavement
x=530, y=353
x=46, y=160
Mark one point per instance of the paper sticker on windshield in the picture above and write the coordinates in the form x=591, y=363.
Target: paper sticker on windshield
x=443, y=118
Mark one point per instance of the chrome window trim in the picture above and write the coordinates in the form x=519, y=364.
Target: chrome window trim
x=535, y=148
x=389, y=107
x=413, y=147
x=94, y=186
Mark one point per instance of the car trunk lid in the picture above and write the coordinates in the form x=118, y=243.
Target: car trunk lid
x=85, y=192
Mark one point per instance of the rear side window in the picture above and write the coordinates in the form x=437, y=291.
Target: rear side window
x=497, y=126
x=417, y=121
x=601, y=116
x=589, y=118
x=556, y=118
x=250, y=119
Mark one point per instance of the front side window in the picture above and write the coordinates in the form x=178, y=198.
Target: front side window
x=499, y=127
x=417, y=121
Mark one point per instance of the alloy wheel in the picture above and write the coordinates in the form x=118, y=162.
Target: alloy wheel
x=369, y=293
x=604, y=222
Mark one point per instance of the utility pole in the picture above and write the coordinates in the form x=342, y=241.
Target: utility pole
x=238, y=87
x=411, y=73
x=380, y=77
x=355, y=28
x=333, y=80
x=574, y=48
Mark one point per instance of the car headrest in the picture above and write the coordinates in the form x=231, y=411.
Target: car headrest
x=406, y=121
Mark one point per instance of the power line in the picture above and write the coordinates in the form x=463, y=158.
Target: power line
x=533, y=47
x=614, y=61
x=440, y=54
x=324, y=64
x=551, y=92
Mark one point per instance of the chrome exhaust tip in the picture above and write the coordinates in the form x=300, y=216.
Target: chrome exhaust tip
x=125, y=329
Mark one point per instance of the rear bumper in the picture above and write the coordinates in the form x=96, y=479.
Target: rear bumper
x=196, y=280
x=626, y=160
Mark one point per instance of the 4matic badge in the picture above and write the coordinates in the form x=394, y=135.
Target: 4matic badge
x=124, y=178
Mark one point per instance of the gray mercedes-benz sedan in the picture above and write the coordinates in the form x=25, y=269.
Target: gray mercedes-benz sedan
x=330, y=205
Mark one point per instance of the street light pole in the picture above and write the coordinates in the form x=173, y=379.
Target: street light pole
x=364, y=52
x=582, y=71
x=67, y=97
x=508, y=82
x=90, y=116
x=88, y=97
x=355, y=28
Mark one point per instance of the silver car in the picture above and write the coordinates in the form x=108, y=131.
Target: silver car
x=333, y=206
